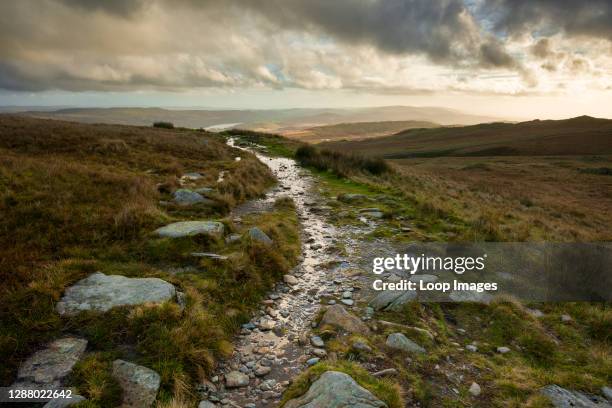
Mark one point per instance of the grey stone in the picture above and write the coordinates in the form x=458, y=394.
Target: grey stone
x=385, y=373
x=231, y=238
x=206, y=404
x=351, y=198
x=337, y=317
x=347, y=295
x=336, y=390
x=317, y=341
x=236, y=379
x=290, y=280
x=374, y=214
x=566, y=318
x=348, y=302
x=425, y=278
x=139, y=384
x=260, y=371
x=48, y=367
x=400, y=342
x=470, y=296
x=563, y=398
x=192, y=176
x=319, y=352
x=607, y=392
x=392, y=300
x=503, y=350
x=100, y=292
x=209, y=255
x=190, y=228
x=472, y=348
x=312, y=361
x=186, y=197
x=205, y=191
x=258, y=235
x=475, y=389
x=361, y=346
x=64, y=402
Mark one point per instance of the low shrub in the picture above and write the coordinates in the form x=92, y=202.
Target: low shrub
x=164, y=125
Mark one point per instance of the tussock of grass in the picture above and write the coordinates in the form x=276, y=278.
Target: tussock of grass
x=339, y=163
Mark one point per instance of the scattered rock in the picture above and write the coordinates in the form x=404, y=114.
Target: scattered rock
x=290, y=279
x=266, y=324
x=100, y=292
x=566, y=318
x=470, y=296
x=312, y=361
x=206, y=404
x=348, y=302
x=236, y=379
x=260, y=371
x=209, y=255
x=186, y=197
x=351, y=198
x=475, y=389
x=192, y=176
x=361, y=346
x=258, y=235
x=563, y=398
x=231, y=238
x=400, y=342
x=317, y=341
x=319, y=352
x=336, y=390
x=374, y=214
x=385, y=373
x=472, y=348
x=48, y=367
x=190, y=228
x=607, y=392
x=139, y=384
x=64, y=402
x=392, y=299
x=337, y=317
x=347, y=295
x=503, y=350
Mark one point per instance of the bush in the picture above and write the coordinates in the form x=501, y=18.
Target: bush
x=339, y=163
x=164, y=125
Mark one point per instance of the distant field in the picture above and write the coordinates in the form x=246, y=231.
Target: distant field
x=527, y=181
x=354, y=131
x=581, y=135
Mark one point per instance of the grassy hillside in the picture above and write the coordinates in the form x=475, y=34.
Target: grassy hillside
x=582, y=135
x=354, y=131
x=77, y=198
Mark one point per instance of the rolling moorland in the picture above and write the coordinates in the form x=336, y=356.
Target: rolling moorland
x=273, y=120
x=79, y=199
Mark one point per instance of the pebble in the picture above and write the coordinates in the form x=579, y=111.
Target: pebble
x=317, y=341
x=566, y=318
x=503, y=350
x=319, y=352
x=348, y=302
x=472, y=348
x=312, y=361
x=475, y=389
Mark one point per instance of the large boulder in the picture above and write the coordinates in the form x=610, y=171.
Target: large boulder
x=190, y=228
x=139, y=384
x=398, y=341
x=186, y=197
x=563, y=398
x=48, y=367
x=336, y=390
x=392, y=299
x=338, y=318
x=100, y=292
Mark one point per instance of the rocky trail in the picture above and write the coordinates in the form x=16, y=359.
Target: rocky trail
x=276, y=345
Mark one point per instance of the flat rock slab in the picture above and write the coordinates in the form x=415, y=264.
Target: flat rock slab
x=337, y=317
x=100, y=292
x=392, y=299
x=336, y=390
x=185, y=197
x=139, y=384
x=190, y=228
x=48, y=367
x=563, y=398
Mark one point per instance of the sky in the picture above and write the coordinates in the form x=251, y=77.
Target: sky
x=504, y=58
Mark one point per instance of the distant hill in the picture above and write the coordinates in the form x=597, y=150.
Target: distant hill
x=580, y=135
x=270, y=120
x=355, y=131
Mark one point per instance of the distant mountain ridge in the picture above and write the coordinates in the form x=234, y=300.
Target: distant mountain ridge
x=580, y=135
x=265, y=119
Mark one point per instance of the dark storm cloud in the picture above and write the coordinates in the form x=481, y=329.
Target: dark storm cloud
x=440, y=29
x=575, y=17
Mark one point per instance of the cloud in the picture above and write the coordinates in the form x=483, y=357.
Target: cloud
x=385, y=46
x=574, y=17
